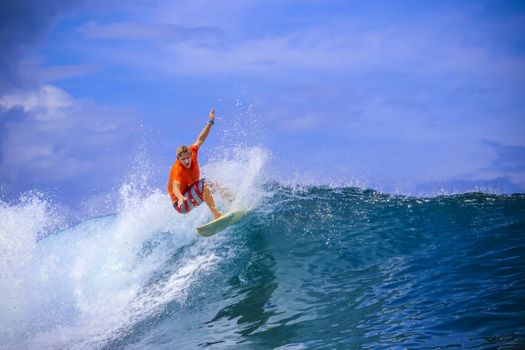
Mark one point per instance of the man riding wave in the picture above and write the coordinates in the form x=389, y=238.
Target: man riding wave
x=187, y=190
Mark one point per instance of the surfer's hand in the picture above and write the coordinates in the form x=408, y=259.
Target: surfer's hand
x=180, y=201
x=212, y=114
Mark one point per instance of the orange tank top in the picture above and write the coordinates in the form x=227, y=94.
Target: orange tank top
x=185, y=177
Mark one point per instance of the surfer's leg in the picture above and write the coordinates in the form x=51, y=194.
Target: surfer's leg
x=208, y=199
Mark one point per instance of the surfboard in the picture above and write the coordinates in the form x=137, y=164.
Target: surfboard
x=221, y=223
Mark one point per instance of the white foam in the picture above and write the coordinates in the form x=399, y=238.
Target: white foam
x=20, y=225
x=241, y=172
x=85, y=286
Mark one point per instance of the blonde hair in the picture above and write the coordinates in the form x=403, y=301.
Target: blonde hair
x=183, y=149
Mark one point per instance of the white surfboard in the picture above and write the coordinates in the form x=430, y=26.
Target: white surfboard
x=221, y=223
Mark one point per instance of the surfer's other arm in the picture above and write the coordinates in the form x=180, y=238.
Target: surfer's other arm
x=178, y=193
x=204, y=133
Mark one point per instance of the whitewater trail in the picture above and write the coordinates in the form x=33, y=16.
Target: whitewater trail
x=84, y=286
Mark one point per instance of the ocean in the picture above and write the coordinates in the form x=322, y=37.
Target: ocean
x=310, y=267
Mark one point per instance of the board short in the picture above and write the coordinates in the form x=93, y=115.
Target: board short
x=194, y=196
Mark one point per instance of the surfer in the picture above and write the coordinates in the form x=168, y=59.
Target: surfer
x=187, y=190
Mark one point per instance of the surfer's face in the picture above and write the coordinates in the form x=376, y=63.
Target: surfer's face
x=185, y=160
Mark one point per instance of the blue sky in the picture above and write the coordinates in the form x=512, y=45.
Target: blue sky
x=401, y=96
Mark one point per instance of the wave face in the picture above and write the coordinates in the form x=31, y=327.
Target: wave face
x=310, y=267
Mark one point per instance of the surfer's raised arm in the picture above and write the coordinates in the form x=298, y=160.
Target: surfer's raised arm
x=204, y=133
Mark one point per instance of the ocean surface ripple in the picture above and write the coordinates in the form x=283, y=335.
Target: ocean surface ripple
x=347, y=268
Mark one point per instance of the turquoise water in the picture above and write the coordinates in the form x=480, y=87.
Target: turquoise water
x=347, y=268
x=309, y=268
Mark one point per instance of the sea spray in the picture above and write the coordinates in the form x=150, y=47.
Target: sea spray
x=88, y=285
x=242, y=172
x=21, y=225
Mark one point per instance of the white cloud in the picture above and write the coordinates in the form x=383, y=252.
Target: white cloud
x=46, y=103
x=334, y=47
x=49, y=137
